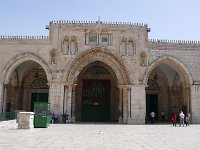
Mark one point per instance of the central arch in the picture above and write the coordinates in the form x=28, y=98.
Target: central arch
x=96, y=54
x=81, y=73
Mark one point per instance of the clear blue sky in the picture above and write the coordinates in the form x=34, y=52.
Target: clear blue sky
x=168, y=19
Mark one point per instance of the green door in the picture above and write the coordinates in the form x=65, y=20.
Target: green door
x=151, y=104
x=96, y=100
x=38, y=97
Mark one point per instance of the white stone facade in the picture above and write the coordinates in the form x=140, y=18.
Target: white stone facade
x=135, y=67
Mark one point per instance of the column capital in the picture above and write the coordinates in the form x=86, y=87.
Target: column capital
x=128, y=86
x=51, y=84
x=73, y=85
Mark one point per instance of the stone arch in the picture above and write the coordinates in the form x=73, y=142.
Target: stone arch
x=174, y=62
x=96, y=54
x=19, y=59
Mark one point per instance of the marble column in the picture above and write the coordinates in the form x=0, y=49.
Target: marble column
x=1, y=96
x=69, y=101
x=73, y=103
x=125, y=103
x=120, y=109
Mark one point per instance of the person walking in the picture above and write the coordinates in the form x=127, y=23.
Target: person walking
x=187, y=119
x=174, y=119
x=152, y=115
x=181, y=118
x=163, y=116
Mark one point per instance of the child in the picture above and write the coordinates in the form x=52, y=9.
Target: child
x=187, y=118
x=174, y=119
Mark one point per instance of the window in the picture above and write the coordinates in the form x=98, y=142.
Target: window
x=104, y=39
x=93, y=38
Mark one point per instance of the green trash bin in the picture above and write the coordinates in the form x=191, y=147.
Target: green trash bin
x=42, y=114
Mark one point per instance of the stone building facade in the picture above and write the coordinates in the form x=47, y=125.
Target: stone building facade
x=100, y=71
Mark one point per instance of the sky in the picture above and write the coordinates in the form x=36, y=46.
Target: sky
x=168, y=19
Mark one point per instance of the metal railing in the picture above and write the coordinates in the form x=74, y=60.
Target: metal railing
x=8, y=116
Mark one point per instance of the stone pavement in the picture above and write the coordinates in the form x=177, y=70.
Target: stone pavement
x=101, y=137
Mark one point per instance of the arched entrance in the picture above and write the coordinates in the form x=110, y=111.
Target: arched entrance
x=25, y=80
x=27, y=84
x=114, y=77
x=97, y=94
x=168, y=88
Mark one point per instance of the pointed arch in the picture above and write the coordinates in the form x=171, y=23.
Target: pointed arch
x=14, y=62
x=181, y=68
x=96, y=54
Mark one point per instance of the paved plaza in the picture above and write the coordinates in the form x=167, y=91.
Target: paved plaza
x=101, y=137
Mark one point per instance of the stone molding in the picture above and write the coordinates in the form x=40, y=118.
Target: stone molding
x=169, y=60
x=96, y=54
x=19, y=59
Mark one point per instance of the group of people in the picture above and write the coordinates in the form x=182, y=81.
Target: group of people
x=55, y=119
x=183, y=119
x=153, y=116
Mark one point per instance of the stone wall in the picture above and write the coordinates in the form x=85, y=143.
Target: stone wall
x=127, y=51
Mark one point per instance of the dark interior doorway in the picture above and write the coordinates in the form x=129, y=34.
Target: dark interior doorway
x=151, y=105
x=96, y=100
x=38, y=97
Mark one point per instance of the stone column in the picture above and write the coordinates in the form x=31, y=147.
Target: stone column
x=120, y=109
x=56, y=98
x=69, y=101
x=1, y=97
x=138, y=104
x=195, y=103
x=125, y=102
x=73, y=103
x=129, y=102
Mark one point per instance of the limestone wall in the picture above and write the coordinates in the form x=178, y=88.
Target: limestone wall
x=127, y=51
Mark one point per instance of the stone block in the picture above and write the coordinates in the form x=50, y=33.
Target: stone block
x=25, y=120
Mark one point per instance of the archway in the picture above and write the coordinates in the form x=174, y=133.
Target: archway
x=25, y=82
x=168, y=88
x=76, y=70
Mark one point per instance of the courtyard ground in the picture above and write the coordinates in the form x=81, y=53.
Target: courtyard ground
x=101, y=137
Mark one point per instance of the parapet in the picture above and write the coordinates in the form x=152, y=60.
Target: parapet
x=13, y=38
x=93, y=23
x=173, y=44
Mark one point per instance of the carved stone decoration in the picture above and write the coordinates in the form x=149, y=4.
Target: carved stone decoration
x=39, y=83
x=69, y=45
x=53, y=56
x=74, y=46
x=143, y=58
x=127, y=47
x=152, y=85
x=123, y=47
x=65, y=45
x=131, y=47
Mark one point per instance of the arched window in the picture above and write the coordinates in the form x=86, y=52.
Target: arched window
x=39, y=83
x=152, y=85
